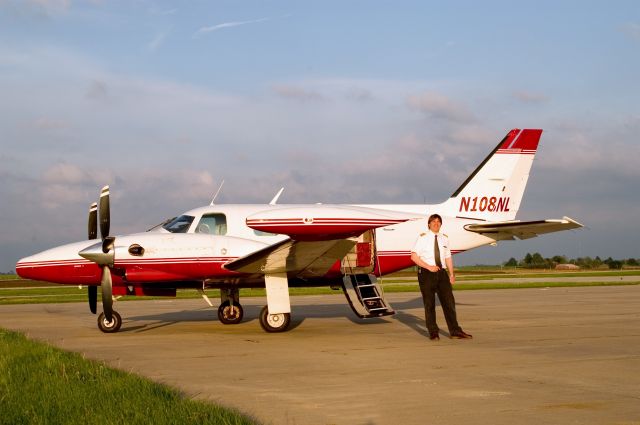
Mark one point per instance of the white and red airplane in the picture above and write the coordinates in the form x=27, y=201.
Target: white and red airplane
x=280, y=246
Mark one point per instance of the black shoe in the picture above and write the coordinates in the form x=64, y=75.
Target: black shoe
x=461, y=335
x=434, y=336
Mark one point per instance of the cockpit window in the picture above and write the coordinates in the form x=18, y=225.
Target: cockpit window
x=179, y=224
x=213, y=224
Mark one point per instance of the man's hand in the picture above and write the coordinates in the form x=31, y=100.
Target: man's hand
x=433, y=269
x=452, y=278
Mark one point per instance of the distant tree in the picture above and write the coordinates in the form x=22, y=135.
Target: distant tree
x=528, y=259
x=632, y=262
x=511, y=263
x=537, y=258
x=559, y=259
x=615, y=264
x=587, y=262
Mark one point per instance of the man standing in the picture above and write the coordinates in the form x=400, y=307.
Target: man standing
x=435, y=274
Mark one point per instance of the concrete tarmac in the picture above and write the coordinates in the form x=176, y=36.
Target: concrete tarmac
x=539, y=356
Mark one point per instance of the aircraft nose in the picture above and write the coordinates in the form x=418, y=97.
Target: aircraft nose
x=26, y=268
x=96, y=254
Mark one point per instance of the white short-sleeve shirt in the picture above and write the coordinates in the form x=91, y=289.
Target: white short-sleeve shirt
x=424, y=248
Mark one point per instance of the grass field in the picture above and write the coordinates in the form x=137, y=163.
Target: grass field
x=40, y=384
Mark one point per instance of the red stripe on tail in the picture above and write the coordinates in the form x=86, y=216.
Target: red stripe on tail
x=528, y=140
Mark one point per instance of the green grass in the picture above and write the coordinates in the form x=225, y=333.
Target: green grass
x=40, y=384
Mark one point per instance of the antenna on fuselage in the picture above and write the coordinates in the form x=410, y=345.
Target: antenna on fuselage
x=275, y=198
x=216, y=195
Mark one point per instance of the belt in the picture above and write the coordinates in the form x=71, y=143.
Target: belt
x=427, y=270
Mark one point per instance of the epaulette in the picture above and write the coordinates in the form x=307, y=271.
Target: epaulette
x=445, y=235
x=422, y=234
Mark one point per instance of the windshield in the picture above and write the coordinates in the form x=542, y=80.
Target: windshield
x=179, y=224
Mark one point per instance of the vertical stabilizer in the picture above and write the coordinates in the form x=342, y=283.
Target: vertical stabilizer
x=494, y=190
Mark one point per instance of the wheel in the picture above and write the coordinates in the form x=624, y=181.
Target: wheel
x=230, y=314
x=274, y=322
x=110, y=327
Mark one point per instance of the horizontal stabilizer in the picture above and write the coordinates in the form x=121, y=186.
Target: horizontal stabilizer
x=509, y=230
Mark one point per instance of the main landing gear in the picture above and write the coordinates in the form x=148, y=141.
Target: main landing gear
x=274, y=322
x=112, y=326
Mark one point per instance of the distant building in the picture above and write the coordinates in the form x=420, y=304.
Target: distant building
x=567, y=267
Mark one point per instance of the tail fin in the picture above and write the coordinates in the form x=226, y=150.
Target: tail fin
x=494, y=190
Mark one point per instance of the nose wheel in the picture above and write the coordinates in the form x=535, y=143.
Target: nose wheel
x=112, y=326
x=229, y=314
x=274, y=322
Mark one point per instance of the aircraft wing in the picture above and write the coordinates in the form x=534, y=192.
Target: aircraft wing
x=294, y=257
x=509, y=230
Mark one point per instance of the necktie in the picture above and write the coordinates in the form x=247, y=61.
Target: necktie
x=436, y=251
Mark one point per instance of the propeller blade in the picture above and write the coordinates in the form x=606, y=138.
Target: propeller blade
x=93, y=298
x=108, y=244
x=93, y=221
x=105, y=214
x=107, y=298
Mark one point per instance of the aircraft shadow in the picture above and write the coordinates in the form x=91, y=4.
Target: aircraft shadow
x=299, y=314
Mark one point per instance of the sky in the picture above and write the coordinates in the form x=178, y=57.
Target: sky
x=338, y=102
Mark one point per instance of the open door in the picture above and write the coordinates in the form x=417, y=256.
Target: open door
x=361, y=259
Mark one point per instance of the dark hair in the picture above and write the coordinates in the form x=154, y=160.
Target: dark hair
x=434, y=217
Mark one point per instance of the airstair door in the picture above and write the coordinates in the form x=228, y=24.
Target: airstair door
x=362, y=257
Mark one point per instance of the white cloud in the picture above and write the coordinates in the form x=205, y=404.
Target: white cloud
x=47, y=123
x=157, y=41
x=530, y=97
x=631, y=30
x=205, y=30
x=297, y=93
x=438, y=106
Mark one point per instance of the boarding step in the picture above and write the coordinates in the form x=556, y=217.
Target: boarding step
x=365, y=296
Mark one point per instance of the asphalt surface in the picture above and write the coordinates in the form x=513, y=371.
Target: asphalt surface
x=539, y=356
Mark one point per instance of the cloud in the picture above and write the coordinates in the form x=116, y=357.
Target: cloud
x=529, y=97
x=36, y=8
x=438, y=106
x=359, y=94
x=297, y=93
x=97, y=90
x=46, y=123
x=157, y=41
x=164, y=146
x=631, y=30
x=205, y=30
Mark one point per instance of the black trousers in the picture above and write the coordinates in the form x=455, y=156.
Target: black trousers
x=432, y=283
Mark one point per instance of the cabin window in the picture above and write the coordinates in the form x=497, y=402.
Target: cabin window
x=213, y=224
x=179, y=224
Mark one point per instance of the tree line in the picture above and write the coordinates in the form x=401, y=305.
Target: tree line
x=537, y=261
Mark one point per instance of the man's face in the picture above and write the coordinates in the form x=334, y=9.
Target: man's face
x=434, y=226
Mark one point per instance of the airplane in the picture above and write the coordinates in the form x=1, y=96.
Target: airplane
x=277, y=246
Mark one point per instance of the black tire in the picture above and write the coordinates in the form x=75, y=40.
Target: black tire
x=274, y=322
x=114, y=326
x=230, y=315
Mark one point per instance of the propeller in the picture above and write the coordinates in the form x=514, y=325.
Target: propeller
x=102, y=254
x=93, y=234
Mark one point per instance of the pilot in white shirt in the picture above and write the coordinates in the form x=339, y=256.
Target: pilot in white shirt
x=424, y=247
x=436, y=276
